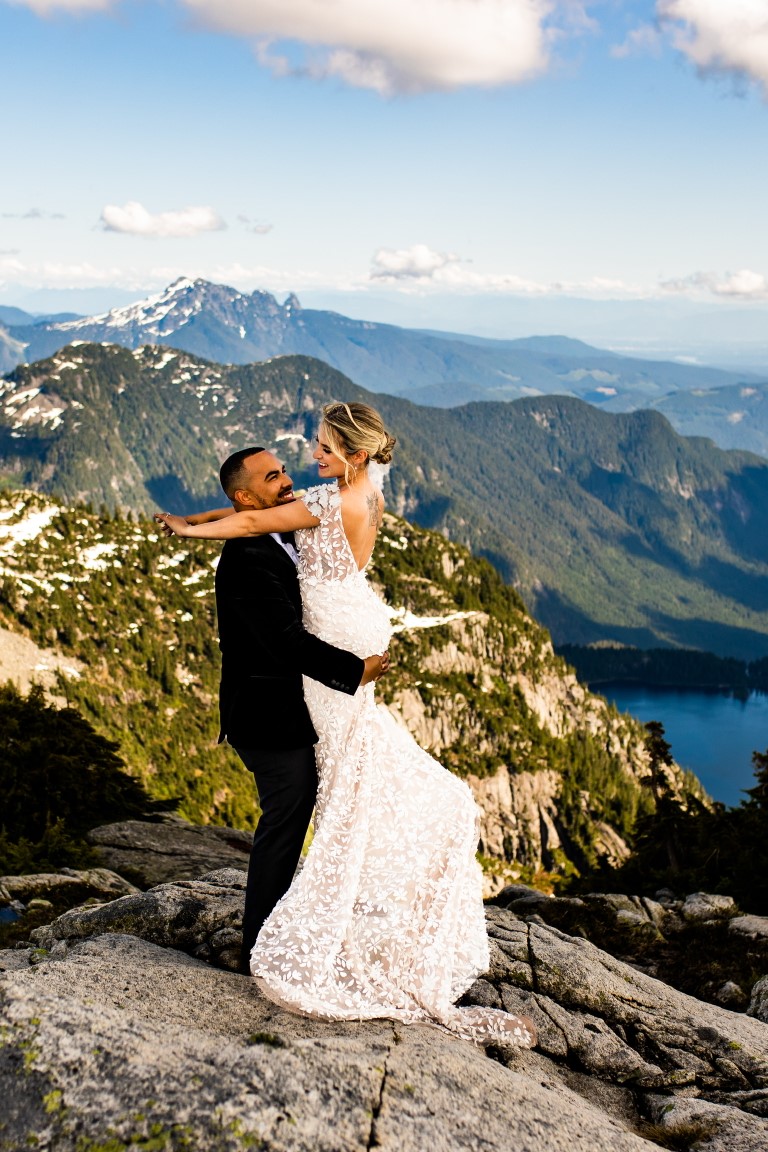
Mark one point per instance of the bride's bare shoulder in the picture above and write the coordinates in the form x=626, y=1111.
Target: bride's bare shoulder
x=362, y=507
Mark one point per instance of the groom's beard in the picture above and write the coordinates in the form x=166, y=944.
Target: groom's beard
x=284, y=496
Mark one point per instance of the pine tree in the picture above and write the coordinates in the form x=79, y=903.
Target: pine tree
x=58, y=778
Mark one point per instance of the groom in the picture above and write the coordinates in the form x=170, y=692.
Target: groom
x=265, y=650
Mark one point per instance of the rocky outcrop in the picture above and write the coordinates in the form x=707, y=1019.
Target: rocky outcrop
x=519, y=815
x=202, y=917
x=122, y=1043
x=26, y=663
x=155, y=852
x=66, y=887
x=620, y=1054
x=699, y=944
x=521, y=805
x=29, y=901
x=604, y=1018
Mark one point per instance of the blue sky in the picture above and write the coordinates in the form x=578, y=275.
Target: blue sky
x=476, y=164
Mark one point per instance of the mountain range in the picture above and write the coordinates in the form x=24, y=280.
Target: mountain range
x=442, y=369
x=612, y=526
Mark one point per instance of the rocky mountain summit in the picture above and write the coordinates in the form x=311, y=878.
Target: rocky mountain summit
x=121, y=1028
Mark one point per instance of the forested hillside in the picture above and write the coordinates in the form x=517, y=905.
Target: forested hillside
x=556, y=770
x=611, y=526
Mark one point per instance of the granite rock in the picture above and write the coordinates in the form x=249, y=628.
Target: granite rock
x=758, y=1003
x=156, y=852
x=202, y=917
x=68, y=886
x=123, y=1043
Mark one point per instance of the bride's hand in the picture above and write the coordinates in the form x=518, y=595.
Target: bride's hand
x=172, y=525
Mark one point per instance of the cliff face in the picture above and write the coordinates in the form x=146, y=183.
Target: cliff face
x=521, y=801
x=555, y=770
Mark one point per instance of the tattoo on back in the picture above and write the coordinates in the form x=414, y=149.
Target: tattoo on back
x=373, y=510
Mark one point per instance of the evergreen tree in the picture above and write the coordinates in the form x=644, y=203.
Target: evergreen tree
x=58, y=778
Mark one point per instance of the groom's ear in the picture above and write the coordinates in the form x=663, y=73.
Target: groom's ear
x=242, y=496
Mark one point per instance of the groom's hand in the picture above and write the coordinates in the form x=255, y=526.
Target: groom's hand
x=375, y=668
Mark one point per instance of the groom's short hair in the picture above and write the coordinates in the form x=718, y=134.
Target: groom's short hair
x=232, y=473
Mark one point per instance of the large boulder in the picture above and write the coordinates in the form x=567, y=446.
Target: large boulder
x=758, y=1004
x=156, y=852
x=122, y=1043
x=68, y=887
x=608, y=1032
x=708, y=906
x=203, y=917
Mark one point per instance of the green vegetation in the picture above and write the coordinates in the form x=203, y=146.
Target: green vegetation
x=135, y=614
x=686, y=845
x=669, y=667
x=58, y=778
x=612, y=527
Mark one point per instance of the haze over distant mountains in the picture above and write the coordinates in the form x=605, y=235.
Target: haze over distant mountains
x=611, y=525
x=432, y=368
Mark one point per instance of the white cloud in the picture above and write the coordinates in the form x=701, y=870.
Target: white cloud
x=421, y=269
x=744, y=285
x=728, y=36
x=642, y=41
x=50, y=274
x=137, y=221
x=398, y=45
x=415, y=263
x=411, y=271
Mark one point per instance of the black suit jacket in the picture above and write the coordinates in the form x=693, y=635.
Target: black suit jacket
x=265, y=649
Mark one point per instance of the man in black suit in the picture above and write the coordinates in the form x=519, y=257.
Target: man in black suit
x=265, y=650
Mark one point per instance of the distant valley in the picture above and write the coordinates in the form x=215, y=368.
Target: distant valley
x=611, y=526
x=439, y=369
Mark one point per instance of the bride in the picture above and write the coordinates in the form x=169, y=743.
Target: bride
x=385, y=919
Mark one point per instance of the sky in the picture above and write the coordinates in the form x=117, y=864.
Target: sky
x=597, y=167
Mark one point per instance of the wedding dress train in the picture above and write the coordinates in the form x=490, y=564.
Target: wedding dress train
x=386, y=917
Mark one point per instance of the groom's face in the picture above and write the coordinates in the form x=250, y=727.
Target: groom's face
x=265, y=483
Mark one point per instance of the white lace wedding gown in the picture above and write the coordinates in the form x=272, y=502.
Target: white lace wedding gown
x=386, y=917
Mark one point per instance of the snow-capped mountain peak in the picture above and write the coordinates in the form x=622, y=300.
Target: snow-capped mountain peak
x=160, y=315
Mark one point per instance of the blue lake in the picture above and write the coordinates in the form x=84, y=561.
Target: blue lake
x=711, y=733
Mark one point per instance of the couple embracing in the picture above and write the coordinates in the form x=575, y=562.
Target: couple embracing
x=385, y=918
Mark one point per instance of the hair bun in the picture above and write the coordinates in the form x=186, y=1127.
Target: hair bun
x=384, y=454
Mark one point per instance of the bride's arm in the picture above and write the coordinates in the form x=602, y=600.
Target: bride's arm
x=255, y=522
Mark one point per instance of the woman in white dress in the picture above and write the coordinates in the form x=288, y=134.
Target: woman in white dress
x=386, y=917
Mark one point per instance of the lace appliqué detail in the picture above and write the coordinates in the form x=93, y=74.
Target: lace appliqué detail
x=385, y=919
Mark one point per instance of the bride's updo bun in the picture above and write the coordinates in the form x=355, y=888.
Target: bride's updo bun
x=352, y=428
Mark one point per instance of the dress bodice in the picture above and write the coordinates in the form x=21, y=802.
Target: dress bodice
x=339, y=604
x=324, y=551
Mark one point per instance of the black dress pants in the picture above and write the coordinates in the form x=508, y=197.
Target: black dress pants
x=286, y=781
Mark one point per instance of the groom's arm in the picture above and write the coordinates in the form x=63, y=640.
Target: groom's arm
x=264, y=608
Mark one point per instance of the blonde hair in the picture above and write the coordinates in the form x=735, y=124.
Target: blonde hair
x=352, y=428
